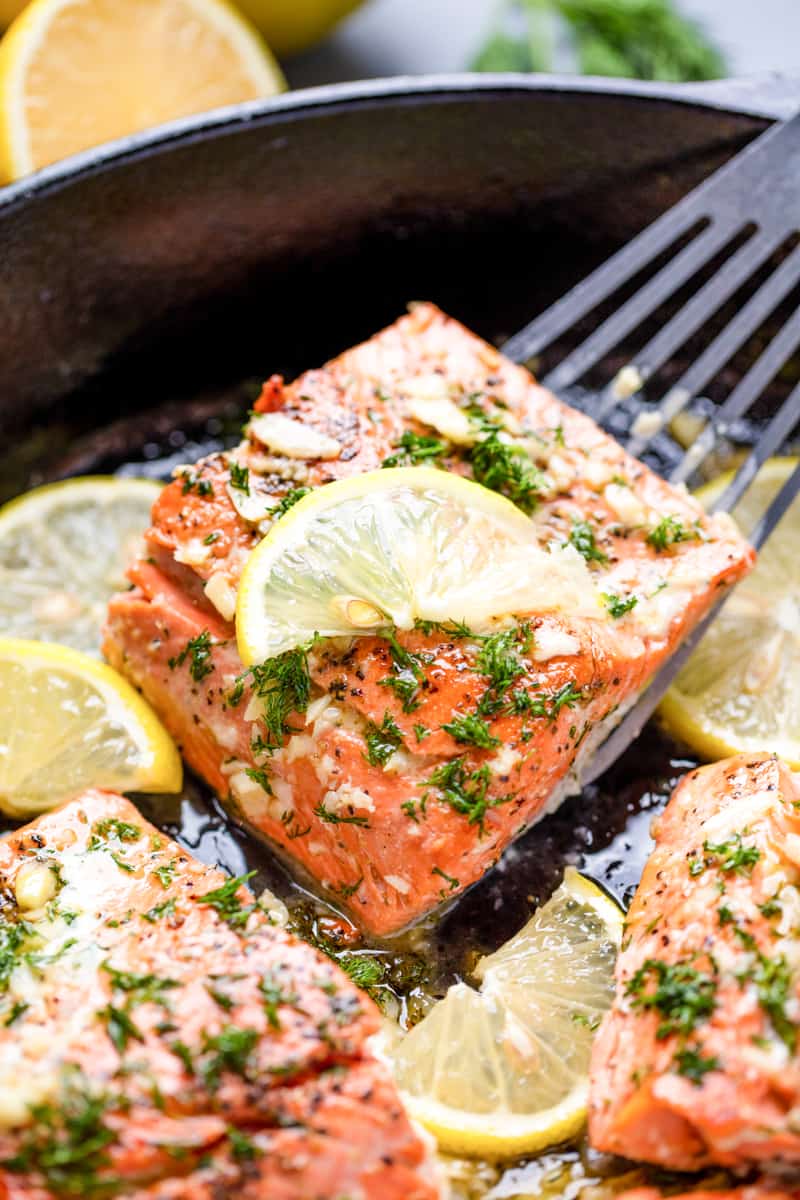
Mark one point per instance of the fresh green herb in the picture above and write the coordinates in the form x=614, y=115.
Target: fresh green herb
x=243, y=1148
x=182, y=1051
x=166, y=873
x=228, y=1050
x=210, y=538
x=120, y=861
x=226, y=902
x=731, y=855
x=16, y=938
x=726, y=915
x=668, y=532
x=773, y=982
x=470, y=729
x=125, y=831
x=121, y=1027
x=260, y=776
x=463, y=789
x=273, y=995
x=682, y=995
x=165, y=909
x=456, y=630
x=618, y=607
x=66, y=1144
x=691, y=1063
x=193, y=483
x=346, y=890
x=284, y=685
x=332, y=818
x=579, y=1018
x=450, y=880
x=408, y=676
x=770, y=908
x=240, y=476
x=421, y=732
x=17, y=1009
x=583, y=539
x=365, y=971
x=219, y=997
x=382, y=740
x=544, y=704
x=288, y=501
x=415, y=448
x=499, y=659
x=140, y=989
x=507, y=469
x=198, y=650
x=632, y=39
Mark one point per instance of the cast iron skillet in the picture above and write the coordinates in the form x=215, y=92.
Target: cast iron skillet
x=145, y=285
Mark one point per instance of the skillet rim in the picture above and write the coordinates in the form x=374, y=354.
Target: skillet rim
x=764, y=97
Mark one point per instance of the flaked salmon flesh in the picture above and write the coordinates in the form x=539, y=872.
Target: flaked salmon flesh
x=764, y=1190
x=414, y=761
x=697, y=1062
x=162, y=1037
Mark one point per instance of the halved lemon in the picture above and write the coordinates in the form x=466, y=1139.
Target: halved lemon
x=74, y=73
x=67, y=723
x=394, y=546
x=739, y=691
x=504, y=1070
x=63, y=552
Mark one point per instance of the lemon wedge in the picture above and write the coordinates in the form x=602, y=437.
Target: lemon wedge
x=503, y=1070
x=67, y=723
x=63, y=552
x=391, y=547
x=739, y=691
x=74, y=73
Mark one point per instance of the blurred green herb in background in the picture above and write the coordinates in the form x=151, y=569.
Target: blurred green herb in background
x=634, y=39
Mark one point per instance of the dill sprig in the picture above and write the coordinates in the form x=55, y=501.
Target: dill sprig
x=507, y=469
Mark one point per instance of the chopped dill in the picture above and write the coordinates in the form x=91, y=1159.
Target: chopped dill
x=198, y=650
x=382, y=740
x=415, y=448
x=583, y=539
x=507, y=469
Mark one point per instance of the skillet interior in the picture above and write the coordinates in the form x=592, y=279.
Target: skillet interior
x=143, y=292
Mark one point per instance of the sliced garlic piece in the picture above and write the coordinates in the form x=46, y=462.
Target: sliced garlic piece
x=443, y=415
x=251, y=506
x=291, y=438
x=222, y=595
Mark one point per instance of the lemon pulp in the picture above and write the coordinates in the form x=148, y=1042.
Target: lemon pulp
x=63, y=553
x=503, y=1070
x=738, y=693
x=67, y=723
x=391, y=547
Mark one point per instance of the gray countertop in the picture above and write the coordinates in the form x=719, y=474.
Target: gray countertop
x=395, y=37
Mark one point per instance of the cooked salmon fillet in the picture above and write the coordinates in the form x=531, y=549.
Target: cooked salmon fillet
x=764, y=1190
x=410, y=763
x=697, y=1062
x=162, y=1036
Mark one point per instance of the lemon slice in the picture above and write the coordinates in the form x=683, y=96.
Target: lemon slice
x=504, y=1070
x=739, y=691
x=63, y=553
x=394, y=546
x=74, y=73
x=67, y=723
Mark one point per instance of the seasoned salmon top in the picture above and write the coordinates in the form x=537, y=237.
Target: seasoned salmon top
x=698, y=1061
x=395, y=769
x=162, y=1035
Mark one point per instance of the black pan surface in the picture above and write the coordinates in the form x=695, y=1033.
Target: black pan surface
x=146, y=288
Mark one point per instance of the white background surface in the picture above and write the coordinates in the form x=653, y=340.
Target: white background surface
x=395, y=37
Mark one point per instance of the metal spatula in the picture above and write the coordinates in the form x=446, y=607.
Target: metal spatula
x=751, y=205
